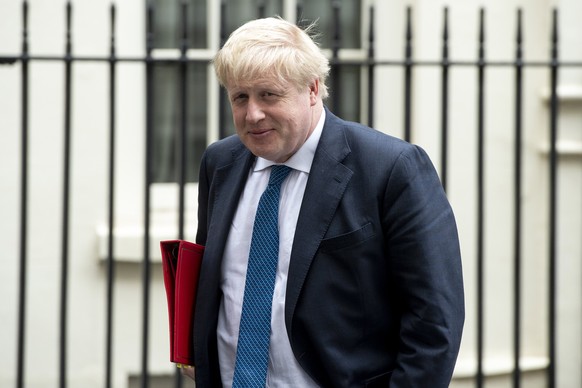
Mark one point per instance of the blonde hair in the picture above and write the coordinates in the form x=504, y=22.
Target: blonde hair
x=272, y=47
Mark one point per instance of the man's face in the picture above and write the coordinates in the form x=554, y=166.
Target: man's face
x=273, y=119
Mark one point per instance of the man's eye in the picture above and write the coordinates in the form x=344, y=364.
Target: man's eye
x=239, y=97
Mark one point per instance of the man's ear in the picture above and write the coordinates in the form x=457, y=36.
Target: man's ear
x=314, y=91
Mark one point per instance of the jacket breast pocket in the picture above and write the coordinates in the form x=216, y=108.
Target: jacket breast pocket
x=349, y=239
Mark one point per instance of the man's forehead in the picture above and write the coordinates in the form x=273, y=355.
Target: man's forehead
x=263, y=82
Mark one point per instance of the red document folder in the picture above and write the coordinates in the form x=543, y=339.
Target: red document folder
x=181, y=262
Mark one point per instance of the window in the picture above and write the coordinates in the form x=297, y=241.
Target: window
x=210, y=23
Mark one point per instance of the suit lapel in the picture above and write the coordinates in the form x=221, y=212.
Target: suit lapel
x=327, y=182
x=228, y=182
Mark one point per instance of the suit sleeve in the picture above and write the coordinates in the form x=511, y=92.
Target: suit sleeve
x=423, y=249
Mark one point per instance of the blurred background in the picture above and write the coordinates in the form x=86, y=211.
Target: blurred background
x=106, y=108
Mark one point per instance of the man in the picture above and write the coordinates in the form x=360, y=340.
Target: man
x=368, y=285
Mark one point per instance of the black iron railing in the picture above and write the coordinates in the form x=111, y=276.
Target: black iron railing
x=408, y=64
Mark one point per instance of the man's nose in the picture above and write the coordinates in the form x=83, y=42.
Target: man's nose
x=254, y=111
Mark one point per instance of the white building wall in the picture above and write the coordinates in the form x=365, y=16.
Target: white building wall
x=87, y=270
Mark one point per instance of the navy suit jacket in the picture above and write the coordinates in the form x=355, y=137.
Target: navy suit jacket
x=375, y=291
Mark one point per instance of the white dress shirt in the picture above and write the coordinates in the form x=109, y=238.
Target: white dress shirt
x=283, y=370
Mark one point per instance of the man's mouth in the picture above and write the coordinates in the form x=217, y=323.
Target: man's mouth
x=259, y=132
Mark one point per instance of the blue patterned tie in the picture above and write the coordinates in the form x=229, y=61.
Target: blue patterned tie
x=252, y=356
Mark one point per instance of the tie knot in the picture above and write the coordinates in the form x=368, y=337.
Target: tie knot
x=278, y=174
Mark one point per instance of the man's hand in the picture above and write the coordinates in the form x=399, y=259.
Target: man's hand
x=187, y=370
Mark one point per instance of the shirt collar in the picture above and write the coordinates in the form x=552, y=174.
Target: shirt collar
x=303, y=158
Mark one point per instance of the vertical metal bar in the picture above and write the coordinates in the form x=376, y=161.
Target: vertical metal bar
x=261, y=9
x=445, y=100
x=23, y=203
x=299, y=12
x=182, y=138
x=66, y=206
x=335, y=47
x=111, y=207
x=147, y=183
x=480, y=198
x=371, y=66
x=554, y=64
x=408, y=77
x=517, y=203
x=222, y=100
